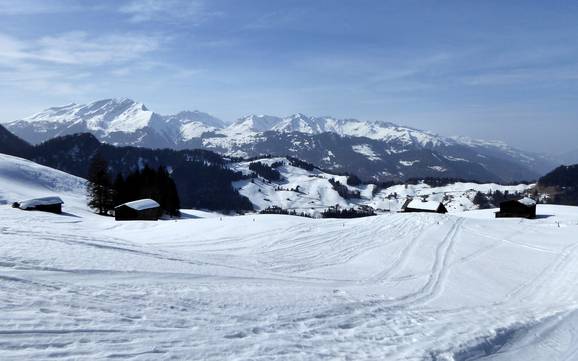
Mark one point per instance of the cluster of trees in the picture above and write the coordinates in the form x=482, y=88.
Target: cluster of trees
x=104, y=195
x=439, y=181
x=343, y=191
x=444, y=181
x=379, y=186
x=562, y=185
x=482, y=201
x=300, y=164
x=336, y=212
x=209, y=186
x=353, y=180
x=294, y=189
x=493, y=199
x=264, y=171
x=279, y=210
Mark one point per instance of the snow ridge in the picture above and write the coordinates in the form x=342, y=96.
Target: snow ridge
x=123, y=115
x=124, y=122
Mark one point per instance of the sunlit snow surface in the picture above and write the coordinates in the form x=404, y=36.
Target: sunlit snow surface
x=392, y=287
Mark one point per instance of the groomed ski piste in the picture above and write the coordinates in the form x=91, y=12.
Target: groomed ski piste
x=460, y=286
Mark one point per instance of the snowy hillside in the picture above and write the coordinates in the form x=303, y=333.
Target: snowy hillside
x=311, y=192
x=391, y=287
x=22, y=179
x=371, y=149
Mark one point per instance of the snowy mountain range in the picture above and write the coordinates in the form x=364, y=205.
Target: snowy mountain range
x=116, y=121
x=370, y=149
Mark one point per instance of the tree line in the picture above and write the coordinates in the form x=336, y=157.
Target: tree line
x=493, y=199
x=561, y=185
x=156, y=184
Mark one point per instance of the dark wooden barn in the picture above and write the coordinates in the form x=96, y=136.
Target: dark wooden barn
x=45, y=204
x=418, y=205
x=517, y=208
x=140, y=210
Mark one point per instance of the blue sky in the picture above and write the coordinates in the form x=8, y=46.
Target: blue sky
x=504, y=70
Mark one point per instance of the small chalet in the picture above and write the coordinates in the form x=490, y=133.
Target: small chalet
x=140, y=210
x=517, y=208
x=418, y=205
x=45, y=204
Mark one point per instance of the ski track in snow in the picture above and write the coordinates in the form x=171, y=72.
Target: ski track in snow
x=265, y=287
x=295, y=290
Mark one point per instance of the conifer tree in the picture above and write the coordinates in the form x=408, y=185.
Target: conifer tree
x=119, y=187
x=99, y=187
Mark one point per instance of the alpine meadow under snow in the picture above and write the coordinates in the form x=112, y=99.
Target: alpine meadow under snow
x=460, y=286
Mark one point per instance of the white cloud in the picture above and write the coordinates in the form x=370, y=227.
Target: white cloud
x=191, y=11
x=77, y=48
x=69, y=63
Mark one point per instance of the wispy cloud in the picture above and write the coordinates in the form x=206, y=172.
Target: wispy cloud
x=67, y=63
x=189, y=11
x=77, y=48
x=34, y=78
x=35, y=7
x=523, y=76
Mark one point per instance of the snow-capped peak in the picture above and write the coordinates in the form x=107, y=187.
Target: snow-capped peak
x=187, y=116
x=111, y=117
x=108, y=115
x=253, y=124
x=358, y=128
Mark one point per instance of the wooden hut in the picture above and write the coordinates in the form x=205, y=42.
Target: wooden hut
x=140, y=210
x=418, y=205
x=45, y=204
x=517, y=208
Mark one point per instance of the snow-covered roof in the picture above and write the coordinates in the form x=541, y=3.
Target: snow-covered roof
x=527, y=201
x=44, y=201
x=141, y=204
x=427, y=205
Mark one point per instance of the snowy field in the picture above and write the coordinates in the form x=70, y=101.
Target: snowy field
x=392, y=287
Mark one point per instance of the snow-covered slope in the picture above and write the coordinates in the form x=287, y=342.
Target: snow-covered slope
x=311, y=192
x=392, y=287
x=21, y=179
